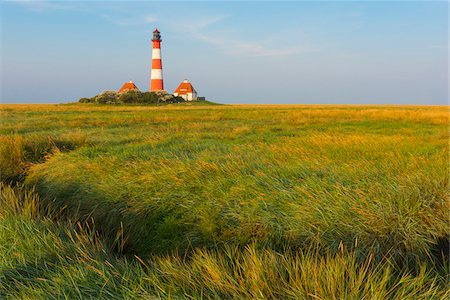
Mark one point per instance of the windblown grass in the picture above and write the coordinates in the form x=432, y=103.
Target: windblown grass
x=208, y=196
x=17, y=153
x=41, y=258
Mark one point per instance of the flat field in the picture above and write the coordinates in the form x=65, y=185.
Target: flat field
x=227, y=201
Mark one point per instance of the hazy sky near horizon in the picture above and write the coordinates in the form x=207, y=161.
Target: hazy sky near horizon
x=232, y=52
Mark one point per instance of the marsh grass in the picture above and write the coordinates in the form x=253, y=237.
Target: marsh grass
x=43, y=257
x=18, y=153
x=319, y=202
x=12, y=159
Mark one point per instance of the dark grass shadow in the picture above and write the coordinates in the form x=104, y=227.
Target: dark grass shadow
x=146, y=230
x=127, y=229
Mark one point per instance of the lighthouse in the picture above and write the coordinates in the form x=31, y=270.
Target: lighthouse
x=156, y=82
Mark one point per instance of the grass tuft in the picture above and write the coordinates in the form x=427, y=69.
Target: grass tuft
x=12, y=158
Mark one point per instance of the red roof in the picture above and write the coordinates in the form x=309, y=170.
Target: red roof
x=128, y=86
x=184, y=88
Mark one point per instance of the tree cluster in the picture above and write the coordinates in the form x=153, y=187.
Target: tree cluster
x=133, y=96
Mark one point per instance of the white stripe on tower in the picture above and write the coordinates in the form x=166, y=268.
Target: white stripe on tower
x=156, y=74
x=156, y=82
x=156, y=53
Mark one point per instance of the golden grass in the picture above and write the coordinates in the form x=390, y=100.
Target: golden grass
x=12, y=162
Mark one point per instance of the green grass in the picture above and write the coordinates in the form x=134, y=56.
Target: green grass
x=230, y=201
x=43, y=257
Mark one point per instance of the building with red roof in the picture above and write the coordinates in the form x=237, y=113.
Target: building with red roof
x=128, y=86
x=186, y=91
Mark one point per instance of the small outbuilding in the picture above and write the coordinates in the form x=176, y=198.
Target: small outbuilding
x=128, y=86
x=186, y=91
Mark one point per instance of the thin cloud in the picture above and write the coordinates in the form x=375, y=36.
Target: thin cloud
x=439, y=46
x=231, y=45
x=197, y=28
x=130, y=21
x=102, y=12
x=42, y=6
x=245, y=48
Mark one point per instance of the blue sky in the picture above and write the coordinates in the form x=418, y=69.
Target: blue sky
x=232, y=52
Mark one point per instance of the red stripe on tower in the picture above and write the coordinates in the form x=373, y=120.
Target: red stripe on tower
x=156, y=82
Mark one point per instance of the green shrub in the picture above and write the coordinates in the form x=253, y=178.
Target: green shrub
x=176, y=99
x=106, y=97
x=130, y=97
x=133, y=97
x=86, y=100
x=149, y=98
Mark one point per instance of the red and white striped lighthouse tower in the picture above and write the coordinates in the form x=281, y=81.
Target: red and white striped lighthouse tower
x=156, y=82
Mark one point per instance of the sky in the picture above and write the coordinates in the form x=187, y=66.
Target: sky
x=306, y=52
